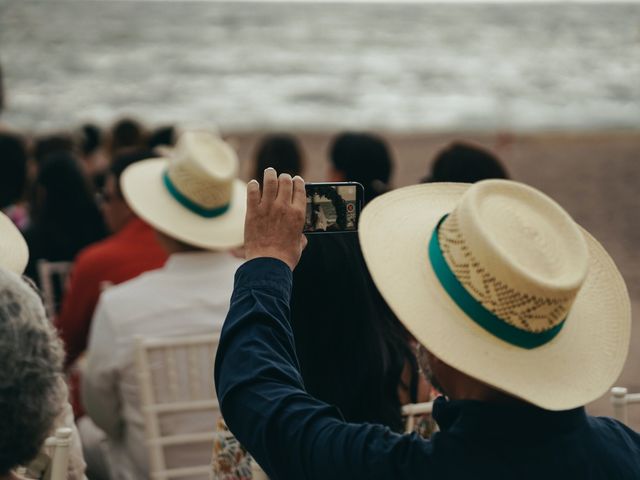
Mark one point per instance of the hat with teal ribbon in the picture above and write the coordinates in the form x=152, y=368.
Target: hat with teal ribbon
x=500, y=283
x=193, y=194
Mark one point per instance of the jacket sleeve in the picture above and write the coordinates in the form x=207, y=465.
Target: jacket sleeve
x=263, y=401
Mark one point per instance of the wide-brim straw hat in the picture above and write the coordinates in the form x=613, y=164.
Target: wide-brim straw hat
x=498, y=281
x=14, y=253
x=192, y=195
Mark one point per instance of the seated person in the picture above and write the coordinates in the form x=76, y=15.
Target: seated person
x=522, y=318
x=131, y=250
x=33, y=395
x=465, y=163
x=188, y=296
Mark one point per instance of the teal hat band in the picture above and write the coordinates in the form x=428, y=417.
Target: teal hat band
x=475, y=310
x=190, y=204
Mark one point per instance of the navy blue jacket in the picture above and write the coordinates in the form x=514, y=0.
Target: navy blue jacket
x=295, y=437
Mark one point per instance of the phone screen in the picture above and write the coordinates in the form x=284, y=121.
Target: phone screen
x=333, y=207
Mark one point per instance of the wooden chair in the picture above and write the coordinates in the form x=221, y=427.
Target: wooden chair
x=176, y=377
x=58, y=447
x=53, y=283
x=413, y=410
x=621, y=398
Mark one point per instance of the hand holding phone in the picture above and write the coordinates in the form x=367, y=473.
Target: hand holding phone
x=333, y=207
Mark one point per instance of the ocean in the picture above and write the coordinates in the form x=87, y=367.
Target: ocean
x=308, y=66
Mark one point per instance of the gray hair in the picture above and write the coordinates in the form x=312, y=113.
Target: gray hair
x=32, y=389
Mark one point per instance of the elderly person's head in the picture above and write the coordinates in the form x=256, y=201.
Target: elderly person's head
x=31, y=384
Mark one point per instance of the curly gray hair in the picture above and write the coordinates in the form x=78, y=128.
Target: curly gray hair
x=31, y=383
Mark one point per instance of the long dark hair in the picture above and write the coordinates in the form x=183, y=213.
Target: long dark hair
x=351, y=347
x=65, y=217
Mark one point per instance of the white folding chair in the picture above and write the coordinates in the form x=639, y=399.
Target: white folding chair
x=51, y=274
x=58, y=449
x=621, y=398
x=176, y=377
x=413, y=410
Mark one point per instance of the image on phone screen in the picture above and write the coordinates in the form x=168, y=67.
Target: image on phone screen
x=332, y=207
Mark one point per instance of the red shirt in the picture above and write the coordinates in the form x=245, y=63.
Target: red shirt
x=120, y=257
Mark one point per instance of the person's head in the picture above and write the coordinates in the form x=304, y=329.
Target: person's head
x=126, y=133
x=115, y=209
x=362, y=158
x=282, y=152
x=193, y=197
x=48, y=145
x=162, y=137
x=465, y=163
x=13, y=168
x=32, y=388
x=499, y=283
x=352, y=349
x=90, y=138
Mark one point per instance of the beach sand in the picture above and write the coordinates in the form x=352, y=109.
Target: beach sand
x=595, y=176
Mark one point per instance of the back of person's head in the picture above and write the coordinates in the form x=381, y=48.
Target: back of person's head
x=162, y=137
x=91, y=138
x=465, y=163
x=64, y=202
x=31, y=383
x=52, y=144
x=13, y=168
x=127, y=133
x=363, y=158
x=280, y=151
x=352, y=349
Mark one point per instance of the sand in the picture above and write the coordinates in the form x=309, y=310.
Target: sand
x=594, y=175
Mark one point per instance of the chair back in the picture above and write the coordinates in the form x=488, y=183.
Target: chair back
x=58, y=447
x=413, y=410
x=621, y=398
x=53, y=284
x=175, y=377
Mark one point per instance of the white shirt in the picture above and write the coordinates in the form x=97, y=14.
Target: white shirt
x=188, y=296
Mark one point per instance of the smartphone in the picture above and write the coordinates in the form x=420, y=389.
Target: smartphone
x=333, y=207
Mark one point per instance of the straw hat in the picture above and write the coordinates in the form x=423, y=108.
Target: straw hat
x=14, y=252
x=193, y=195
x=499, y=282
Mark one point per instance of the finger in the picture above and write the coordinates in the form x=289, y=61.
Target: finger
x=253, y=195
x=299, y=193
x=285, y=188
x=269, y=186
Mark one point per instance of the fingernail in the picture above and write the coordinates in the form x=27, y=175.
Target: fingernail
x=253, y=183
x=269, y=168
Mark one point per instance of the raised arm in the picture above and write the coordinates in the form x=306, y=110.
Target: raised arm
x=261, y=393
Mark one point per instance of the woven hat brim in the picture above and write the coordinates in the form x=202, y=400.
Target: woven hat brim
x=14, y=253
x=144, y=191
x=579, y=365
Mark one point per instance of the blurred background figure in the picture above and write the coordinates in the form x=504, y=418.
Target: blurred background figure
x=13, y=177
x=162, y=137
x=465, y=163
x=353, y=351
x=280, y=151
x=92, y=155
x=65, y=217
x=52, y=144
x=126, y=133
x=362, y=158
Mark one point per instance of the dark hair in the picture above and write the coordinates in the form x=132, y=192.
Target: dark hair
x=466, y=163
x=363, y=158
x=13, y=168
x=91, y=138
x=280, y=151
x=351, y=347
x=127, y=133
x=52, y=144
x=65, y=217
x=124, y=159
x=161, y=136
